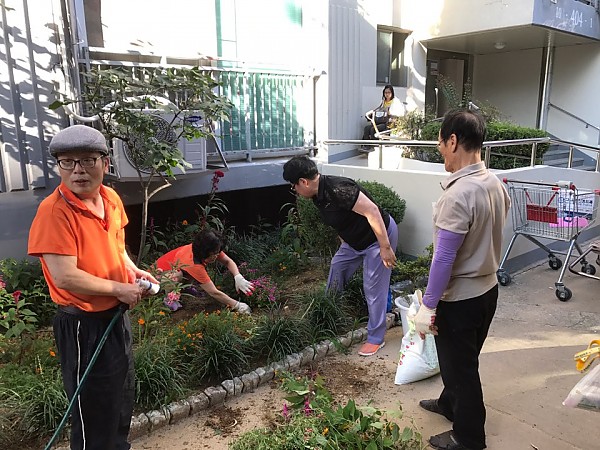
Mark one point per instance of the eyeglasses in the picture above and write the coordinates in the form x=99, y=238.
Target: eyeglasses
x=84, y=163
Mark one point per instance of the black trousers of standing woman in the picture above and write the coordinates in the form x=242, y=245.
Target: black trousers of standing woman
x=462, y=329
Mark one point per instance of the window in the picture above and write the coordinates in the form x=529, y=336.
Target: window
x=390, y=57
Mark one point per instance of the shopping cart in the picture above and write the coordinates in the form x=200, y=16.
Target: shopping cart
x=587, y=269
x=559, y=212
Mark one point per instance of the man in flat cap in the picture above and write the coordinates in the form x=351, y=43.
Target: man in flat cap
x=78, y=233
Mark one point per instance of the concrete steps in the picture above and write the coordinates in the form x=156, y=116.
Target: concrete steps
x=559, y=157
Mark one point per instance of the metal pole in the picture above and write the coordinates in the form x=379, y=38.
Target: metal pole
x=488, y=151
x=381, y=156
x=546, y=83
x=533, y=153
x=570, y=163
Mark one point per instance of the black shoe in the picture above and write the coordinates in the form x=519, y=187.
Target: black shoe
x=432, y=406
x=446, y=441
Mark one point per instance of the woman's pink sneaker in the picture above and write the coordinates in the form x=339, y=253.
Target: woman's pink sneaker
x=369, y=349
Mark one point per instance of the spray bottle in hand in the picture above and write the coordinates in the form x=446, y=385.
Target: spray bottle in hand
x=147, y=286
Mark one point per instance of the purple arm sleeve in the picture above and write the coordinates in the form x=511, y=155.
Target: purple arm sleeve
x=447, y=246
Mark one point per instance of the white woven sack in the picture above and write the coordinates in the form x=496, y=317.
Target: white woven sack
x=418, y=357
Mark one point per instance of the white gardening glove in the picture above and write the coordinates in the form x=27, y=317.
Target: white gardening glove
x=242, y=308
x=424, y=321
x=241, y=284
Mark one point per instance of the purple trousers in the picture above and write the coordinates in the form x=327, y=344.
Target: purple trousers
x=376, y=279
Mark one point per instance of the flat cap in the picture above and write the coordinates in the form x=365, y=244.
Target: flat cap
x=78, y=138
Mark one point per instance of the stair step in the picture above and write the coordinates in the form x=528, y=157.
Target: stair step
x=555, y=154
x=563, y=162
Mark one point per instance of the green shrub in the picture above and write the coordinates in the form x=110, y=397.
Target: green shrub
x=317, y=238
x=386, y=198
x=517, y=155
x=507, y=157
x=26, y=276
x=413, y=269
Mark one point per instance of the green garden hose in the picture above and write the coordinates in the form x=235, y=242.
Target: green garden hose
x=112, y=323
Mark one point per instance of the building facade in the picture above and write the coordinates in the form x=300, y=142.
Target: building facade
x=297, y=72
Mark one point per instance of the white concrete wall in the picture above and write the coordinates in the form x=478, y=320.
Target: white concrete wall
x=182, y=28
x=420, y=188
x=464, y=16
x=575, y=89
x=510, y=82
x=262, y=32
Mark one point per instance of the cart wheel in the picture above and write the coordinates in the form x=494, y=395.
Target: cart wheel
x=589, y=269
x=564, y=295
x=555, y=263
x=503, y=278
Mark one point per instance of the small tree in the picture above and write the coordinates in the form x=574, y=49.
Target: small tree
x=117, y=100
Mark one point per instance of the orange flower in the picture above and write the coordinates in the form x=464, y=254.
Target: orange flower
x=52, y=353
x=141, y=321
x=161, y=313
x=185, y=222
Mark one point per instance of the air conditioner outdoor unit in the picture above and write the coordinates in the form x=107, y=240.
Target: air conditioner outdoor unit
x=126, y=159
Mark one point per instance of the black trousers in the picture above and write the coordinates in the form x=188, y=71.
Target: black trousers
x=369, y=131
x=101, y=417
x=462, y=329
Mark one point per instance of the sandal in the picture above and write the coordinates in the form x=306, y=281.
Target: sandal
x=585, y=358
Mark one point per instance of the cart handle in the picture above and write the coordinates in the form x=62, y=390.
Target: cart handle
x=558, y=184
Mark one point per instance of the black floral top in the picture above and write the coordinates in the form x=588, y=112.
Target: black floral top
x=335, y=200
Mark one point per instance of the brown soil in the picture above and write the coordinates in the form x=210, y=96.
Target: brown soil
x=346, y=377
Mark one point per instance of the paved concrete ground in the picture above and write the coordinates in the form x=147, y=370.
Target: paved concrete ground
x=527, y=366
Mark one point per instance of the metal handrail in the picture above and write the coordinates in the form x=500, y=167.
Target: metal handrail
x=564, y=111
x=487, y=147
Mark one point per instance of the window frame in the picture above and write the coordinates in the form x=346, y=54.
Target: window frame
x=391, y=68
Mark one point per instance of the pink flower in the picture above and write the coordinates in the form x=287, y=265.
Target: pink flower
x=16, y=296
x=173, y=296
x=307, y=409
x=2, y=283
x=286, y=411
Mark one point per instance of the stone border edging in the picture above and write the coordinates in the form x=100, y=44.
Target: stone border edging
x=146, y=423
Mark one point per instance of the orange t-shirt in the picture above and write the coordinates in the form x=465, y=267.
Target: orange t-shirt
x=182, y=259
x=63, y=225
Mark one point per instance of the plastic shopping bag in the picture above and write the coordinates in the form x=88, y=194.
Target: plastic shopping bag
x=418, y=357
x=586, y=393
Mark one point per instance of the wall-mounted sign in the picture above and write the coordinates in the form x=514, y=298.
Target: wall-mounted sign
x=568, y=15
x=433, y=68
